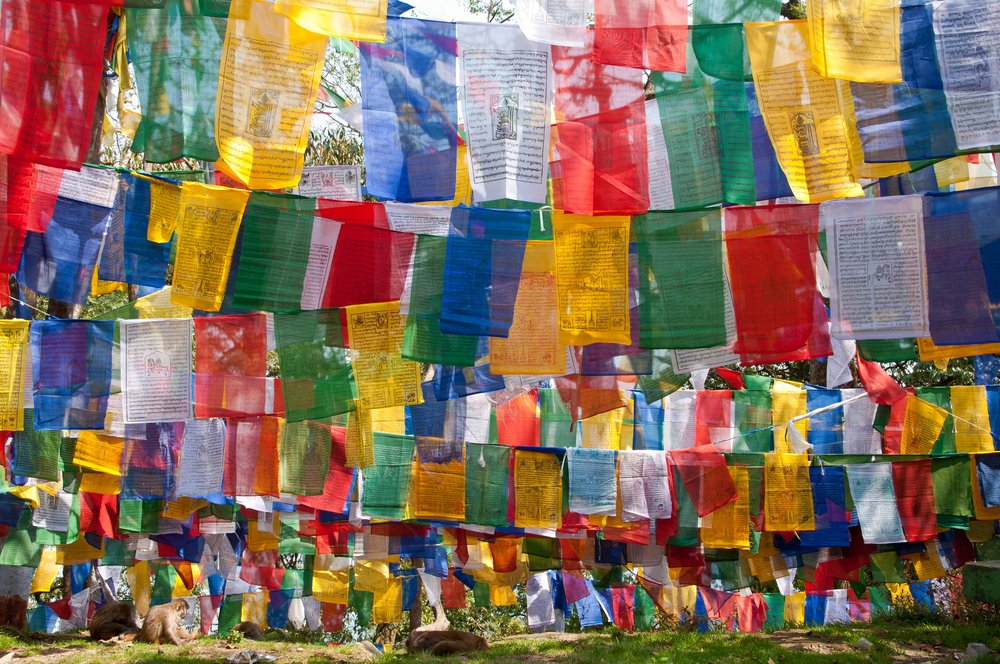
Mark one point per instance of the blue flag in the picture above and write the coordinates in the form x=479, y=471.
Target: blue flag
x=410, y=111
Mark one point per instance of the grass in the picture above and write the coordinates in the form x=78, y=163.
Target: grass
x=913, y=638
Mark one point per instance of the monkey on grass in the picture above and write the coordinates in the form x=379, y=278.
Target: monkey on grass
x=163, y=624
x=249, y=629
x=445, y=642
x=111, y=620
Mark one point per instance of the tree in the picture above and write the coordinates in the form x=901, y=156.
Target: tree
x=496, y=11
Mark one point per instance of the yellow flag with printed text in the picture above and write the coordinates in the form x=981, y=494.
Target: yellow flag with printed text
x=363, y=20
x=13, y=356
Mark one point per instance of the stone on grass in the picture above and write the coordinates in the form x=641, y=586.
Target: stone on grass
x=975, y=651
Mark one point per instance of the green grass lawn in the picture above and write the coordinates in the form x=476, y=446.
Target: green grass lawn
x=913, y=639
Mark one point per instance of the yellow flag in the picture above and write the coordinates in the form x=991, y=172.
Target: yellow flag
x=255, y=608
x=331, y=587
x=795, y=608
x=439, y=491
x=371, y=576
x=46, y=572
x=100, y=453
x=816, y=145
x=603, y=431
x=537, y=490
x=360, y=443
x=102, y=483
x=164, y=209
x=533, y=345
x=502, y=596
x=788, y=503
x=592, y=278
x=13, y=354
x=921, y=426
x=383, y=377
x=972, y=419
x=139, y=585
x=363, y=20
x=388, y=604
x=209, y=222
x=729, y=526
x=856, y=40
x=788, y=400
x=389, y=420
x=931, y=352
x=161, y=305
x=268, y=82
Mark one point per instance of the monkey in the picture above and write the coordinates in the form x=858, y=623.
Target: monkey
x=111, y=620
x=14, y=612
x=444, y=642
x=163, y=624
x=250, y=629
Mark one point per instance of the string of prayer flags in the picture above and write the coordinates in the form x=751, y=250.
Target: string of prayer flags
x=439, y=490
x=339, y=480
x=304, y=457
x=71, y=373
x=202, y=458
x=487, y=473
x=817, y=149
x=174, y=47
x=266, y=280
x=972, y=419
x=150, y=204
x=268, y=82
x=52, y=56
x=482, y=270
x=251, y=457
x=681, y=280
x=780, y=314
x=878, y=274
x=592, y=279
x=829, y=501
x=647, y=34
x=209, y=223
x=149, y=462
x=729, y=526
x=410, y=111
x=363, y=20
x=788, y=500
x=644, y=481
x=856, y=41
x=317, y=380
x=506, y=95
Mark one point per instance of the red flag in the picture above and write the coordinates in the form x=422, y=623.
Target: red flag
x=881, y=387
x=732, y=377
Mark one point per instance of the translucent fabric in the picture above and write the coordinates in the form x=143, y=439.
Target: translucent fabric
x=71, y=370
x=145, y=262
x=354, y=19
x=274, y=252
x=52, y=55
x=706, y=122
x=251, y=457
x=61, y=262
x=832, y=519
x=706, y=478
x=647, y=34
x=681, y=280
x=915, y=499
x=962, y=249
x=387, y=482
x=907, y=121
x=600, y=136
x=317, y=380
x=174, y=48
x=410, y=111
x=268, y=82
x=779, y=311
x=230, y=365
x=304, y=457
x=424, y=341
x=482, y=270
x=150, y=460
x=856, y=41
x=487, y=473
